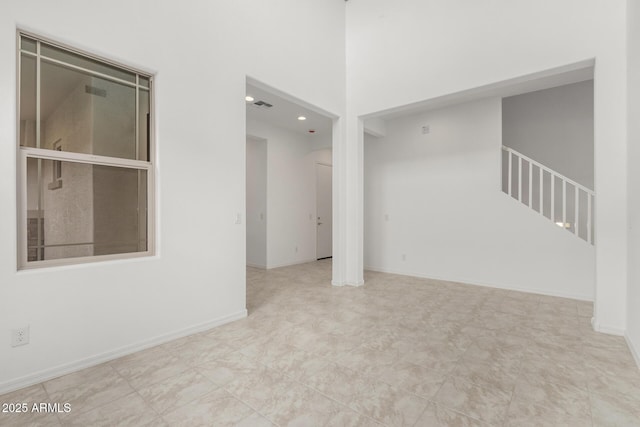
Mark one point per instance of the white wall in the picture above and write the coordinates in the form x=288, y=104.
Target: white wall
x=85, y=314
x=633, y=294
x=554, y=127
x=256, y=216
x=291, y=195
x=437, y=200
x=411, y=50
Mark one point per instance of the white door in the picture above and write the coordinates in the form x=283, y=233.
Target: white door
x=324, y=211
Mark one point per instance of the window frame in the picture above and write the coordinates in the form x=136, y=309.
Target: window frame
x=24, y=152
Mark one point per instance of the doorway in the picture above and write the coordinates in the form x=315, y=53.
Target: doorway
x=287, y=140
x=324, y=211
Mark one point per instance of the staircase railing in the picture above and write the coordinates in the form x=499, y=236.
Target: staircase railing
x=553, y=195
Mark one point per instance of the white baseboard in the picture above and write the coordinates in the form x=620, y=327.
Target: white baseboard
x=260, y=266
x=336, y=283
x=607, y=330
x=580, y=297
x=287, y=264
x=635, y=351
x=88, y=362
x=598, y=327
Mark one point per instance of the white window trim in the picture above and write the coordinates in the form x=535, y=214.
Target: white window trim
x=45, y=154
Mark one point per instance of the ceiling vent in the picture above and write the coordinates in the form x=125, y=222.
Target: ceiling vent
x=262, y=104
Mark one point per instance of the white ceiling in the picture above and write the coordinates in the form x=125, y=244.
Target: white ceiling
x=284, y=113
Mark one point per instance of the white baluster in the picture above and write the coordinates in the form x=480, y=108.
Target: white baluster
x=564, y=203
x=510, y=167
x=530, y=183
x=520, y=178
x=541, y=187
x=553, y=197
x=589, y=196
x=576, y=225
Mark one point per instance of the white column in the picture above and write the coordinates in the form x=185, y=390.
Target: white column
x=348, y=202
x=610, y=215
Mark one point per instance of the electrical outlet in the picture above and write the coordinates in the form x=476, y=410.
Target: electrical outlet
x=20, y=336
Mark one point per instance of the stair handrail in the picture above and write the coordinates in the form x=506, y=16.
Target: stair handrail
x=553, y=175
x=551, y=171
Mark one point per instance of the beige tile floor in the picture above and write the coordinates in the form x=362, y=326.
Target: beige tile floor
x=399, y=351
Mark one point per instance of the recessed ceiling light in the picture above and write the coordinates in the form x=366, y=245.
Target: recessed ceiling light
x=302, y=118
x=248, y=98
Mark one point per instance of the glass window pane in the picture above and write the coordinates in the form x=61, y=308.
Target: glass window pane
x=88, y=114
x=84, y=62
x=114, y=119
x=27, y=44
x=143, y=125
x=119, y=198
x=27, y=100
x=93, y=210
x=144, y=81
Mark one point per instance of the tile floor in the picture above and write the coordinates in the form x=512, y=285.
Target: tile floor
x=400, y=351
